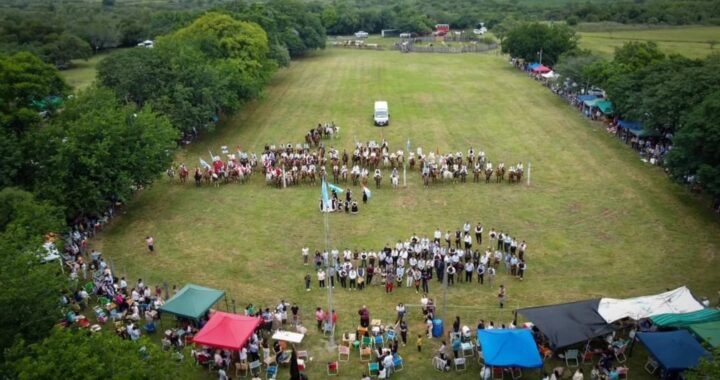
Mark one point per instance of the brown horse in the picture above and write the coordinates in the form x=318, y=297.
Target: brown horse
x=488, y=175
x=499, y=174
x=183, y=173
x=335, y=172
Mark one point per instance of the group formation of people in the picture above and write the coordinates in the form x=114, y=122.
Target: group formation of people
x=336, y=204
x=449, y=256
x=452, y=166
x=327, y=131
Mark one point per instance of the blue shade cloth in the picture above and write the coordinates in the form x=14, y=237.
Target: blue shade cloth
x=635, y=127
x=533, y=65
x=584, y=98
x=673, y=350
x=509, y=348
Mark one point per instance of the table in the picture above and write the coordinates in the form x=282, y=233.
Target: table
x=288, y=336
x=375, y=322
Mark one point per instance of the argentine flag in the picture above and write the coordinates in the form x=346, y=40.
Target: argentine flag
x=336, y=188
x=367, y=191
x=325, y=197
x=205, y=164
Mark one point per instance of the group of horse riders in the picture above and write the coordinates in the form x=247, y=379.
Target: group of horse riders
x=452, y=166
x=237, y=168
x=328, y=130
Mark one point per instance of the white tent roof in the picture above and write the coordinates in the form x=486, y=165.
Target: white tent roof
x=675, y=301
x=550, y=75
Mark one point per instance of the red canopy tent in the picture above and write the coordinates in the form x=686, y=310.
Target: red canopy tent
x=542, y=69
x=226, y=330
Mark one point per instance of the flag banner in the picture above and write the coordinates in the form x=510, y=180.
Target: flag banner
x=336, y=188
x=408, y=145
x=205, y=164
x=325, y=197
x=367, y=191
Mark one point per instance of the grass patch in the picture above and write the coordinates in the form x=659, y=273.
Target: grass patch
x=693, y=42
x=83, y=72
x=598, y=221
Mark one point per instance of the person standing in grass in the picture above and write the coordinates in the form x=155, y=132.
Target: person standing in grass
x=321, y=278
x=308, y=279
x=403, y=332
x=319, y=317
x=419, y=342
x=501, y=296
x=305, y=254
x=150, y=242
x=491, y=276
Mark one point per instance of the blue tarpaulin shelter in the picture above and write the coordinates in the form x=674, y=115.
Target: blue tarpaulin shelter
x=532, y=66
x=674, y=350
x=635, y=127
x=584, y=98
x=509, y=348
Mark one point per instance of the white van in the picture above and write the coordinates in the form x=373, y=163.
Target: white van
x=382, y=114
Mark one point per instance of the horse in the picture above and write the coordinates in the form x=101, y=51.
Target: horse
x=499, y=174
x=395, y=181
x=336, y=173
x=488, y=175
x=343, y=173
x=412, y=161
x=171, y=174
x=198, y=177
x=378, y=179
x=207, y=176
x=463, y=174
x=216, y=179
x=448, y=175
x=476, y=173
x=183, y=173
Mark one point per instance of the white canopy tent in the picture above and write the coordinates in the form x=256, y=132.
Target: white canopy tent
x=550, y=75
x=675, y=301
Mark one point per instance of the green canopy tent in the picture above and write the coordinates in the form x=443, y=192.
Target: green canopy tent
x=192, y=301
x=686, y=319
x=709, y=332
x=606, y=107
x=592, y=102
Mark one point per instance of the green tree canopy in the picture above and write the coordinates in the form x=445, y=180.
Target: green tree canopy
x=526, y=41
x=696, y=146
x=78, y=355
x=31, y=290
x=98, y=151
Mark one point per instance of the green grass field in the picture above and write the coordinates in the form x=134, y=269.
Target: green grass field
x=598, y=221
x=83, y=72
x=693, y=42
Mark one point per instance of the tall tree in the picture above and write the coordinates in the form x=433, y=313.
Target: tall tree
x=696, y=146
x=31, y=290
x=97, y=152
x=531, y=41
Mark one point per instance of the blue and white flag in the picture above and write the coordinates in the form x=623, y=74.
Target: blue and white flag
x=367, y=191
x=408, y=145
x=205, y=164
x=335, y=188
x=325, y=197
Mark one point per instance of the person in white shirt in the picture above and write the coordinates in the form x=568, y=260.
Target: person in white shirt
x=305, y=254
x=352, y=275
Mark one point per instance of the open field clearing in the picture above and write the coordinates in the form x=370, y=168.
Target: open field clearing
x=597, y=220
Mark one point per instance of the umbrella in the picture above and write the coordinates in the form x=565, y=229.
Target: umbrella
x=294, y=369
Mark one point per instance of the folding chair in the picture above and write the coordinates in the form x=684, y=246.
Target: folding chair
x=390, y=335
x=328, y=329
x=373, y=369
x=497, y=373
x=365, y=353
x=271, y=372
x=333, y=368
x=467, y=350
x=398, y=363
x=378, y=342
x=651, y=366
x=242, y=366
x=343, y=351
x=620, y=353
x=303, y=355
x=572, y=355
x=455, y=335
x=460, y=364
x=367, y=341
x=255, y=367
x=588, y=357
x=516, y=372
x=438, y=364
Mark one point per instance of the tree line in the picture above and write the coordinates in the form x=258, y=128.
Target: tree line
x=673, y=96
x=59, y=32
x=64, y=156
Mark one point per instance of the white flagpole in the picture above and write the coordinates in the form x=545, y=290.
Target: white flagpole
x=529, y=171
